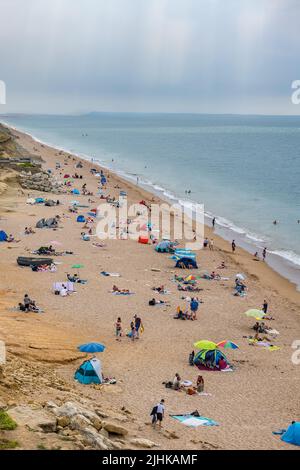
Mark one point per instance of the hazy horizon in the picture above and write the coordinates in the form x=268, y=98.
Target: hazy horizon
x=152, y=56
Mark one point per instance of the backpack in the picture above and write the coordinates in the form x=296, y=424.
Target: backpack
x=154, y=411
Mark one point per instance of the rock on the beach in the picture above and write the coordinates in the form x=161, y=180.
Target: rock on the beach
x=34, y=419
x=145, y=443
x=63, y=421
x=98, y=441
x=79, y=422
x=114, y=428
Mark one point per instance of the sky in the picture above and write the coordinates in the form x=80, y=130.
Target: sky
x=203, y=56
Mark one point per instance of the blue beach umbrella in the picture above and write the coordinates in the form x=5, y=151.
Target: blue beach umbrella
x=92, y=347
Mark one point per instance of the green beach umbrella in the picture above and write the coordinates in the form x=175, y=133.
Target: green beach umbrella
x=255, y=313
x=204, y=344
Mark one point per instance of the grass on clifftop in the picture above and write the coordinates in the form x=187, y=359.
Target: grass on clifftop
x=6, y=444
x=6, y=423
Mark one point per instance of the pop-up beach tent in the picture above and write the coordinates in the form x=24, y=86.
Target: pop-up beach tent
x=209, y=359
x=3, y=236
x=89, y=372
x=185, y=263
x=81, y=218
x=292, y=434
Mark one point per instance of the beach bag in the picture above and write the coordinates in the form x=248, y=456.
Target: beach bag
x=154, y=411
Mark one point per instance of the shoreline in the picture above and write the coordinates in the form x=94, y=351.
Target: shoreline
x=220, y=233
x=281, y=264
x=141, y=367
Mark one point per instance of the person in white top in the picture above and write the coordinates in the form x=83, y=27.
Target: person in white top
x=158, y=413
x=63, y=291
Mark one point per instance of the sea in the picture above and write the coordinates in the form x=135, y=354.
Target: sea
x=244, y=169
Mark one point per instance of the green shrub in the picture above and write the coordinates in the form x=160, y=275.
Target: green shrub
x=6, y=444
x=6, y=423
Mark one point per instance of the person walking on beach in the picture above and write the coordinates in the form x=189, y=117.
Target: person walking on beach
x=118, y=326
x=213, y=222
x=233, y=246
x=138, y=325
x=211, y=244
x=158, y=413
x=264, y=253
x=265, y=307
x=194, y=307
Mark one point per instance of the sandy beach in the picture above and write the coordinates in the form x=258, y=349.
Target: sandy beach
x=258, y=397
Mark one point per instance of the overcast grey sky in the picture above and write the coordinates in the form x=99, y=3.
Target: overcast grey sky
x=234, y=56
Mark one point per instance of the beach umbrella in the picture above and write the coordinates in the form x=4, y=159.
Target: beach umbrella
x=240, y=276
x=227, y=345
x=91, y=348
x=204, y=344
x=190, y=278
x=255, y=313
x=74, y=203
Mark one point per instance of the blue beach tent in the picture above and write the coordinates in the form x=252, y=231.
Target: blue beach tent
x=292, y=434
x=76, y=191
x=86, y=374
x=186, y=263
x=81, y=218
x=3, y=236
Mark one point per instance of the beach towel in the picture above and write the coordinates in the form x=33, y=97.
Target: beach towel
x=104, y=273
x=123, y=293
x=194, y=421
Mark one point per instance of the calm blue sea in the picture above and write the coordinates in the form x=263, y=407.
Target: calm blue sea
x=245, y=169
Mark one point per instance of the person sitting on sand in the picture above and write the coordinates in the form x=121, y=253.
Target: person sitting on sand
x=116, y=289
x=222, y=265
x=10, y=238
x=160, y=289
x=180, y=315
x=200, y=384
x=22, y=307
x=222, y=364
x=28, y=230
x=215, y=276
x=63, y=291
x=33, y=307
x=176, y=382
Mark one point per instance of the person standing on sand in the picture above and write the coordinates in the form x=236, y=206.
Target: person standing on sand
x=194, y=307
x=213, y=222
x=264, y=253
x=158, y=413
x=233, y=246
x=118, y=326
x=265, y=307
x=138, y=324
x=211, y=244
